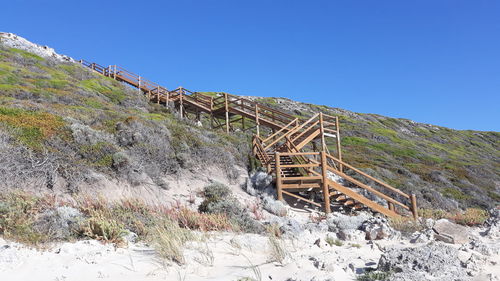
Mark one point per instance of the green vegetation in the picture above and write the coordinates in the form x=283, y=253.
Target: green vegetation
x=26, y=54
x=31, y=127
x=106, y=88
x=455, y=194
x=374, y=275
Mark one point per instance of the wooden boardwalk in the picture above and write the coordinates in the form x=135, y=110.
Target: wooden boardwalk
x=294, y=150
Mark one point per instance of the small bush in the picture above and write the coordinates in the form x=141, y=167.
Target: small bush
x=471, y=217
x=18, y=212
x=406, y=224
x=103, y=228
x=219, y=200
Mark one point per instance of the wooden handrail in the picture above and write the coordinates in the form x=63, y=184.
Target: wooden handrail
x=280, y=130
x=370, y=177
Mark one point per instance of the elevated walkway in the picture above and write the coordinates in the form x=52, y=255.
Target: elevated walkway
x=295, y=151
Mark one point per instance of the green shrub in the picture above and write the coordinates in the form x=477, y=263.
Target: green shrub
x=18, y=213
x=219, y=200
x=374, y=275
x=103, y=228
x=455, y=194
x=31, y=127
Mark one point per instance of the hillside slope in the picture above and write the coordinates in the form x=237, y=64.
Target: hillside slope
x=63, y=127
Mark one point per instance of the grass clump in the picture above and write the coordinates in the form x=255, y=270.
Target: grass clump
x=406, y=224
x=470, y=217
x=169, y=238
x=278, y=252
x=332, y=241
x=374, y=275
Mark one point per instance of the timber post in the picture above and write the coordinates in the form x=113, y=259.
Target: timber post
x=167, y=102
x=139, y=80
x=339, y=149
x=391, y=206
x=180, y=102
x=414, y=206
x=226, y=108
x=278, y=176
x=257, y=119
x=324, y=175
x=322, y=131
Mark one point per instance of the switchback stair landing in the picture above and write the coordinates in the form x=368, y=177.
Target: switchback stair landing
x=294, y=150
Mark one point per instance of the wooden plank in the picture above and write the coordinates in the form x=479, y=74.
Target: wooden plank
x=303, y=185
x=326, y=194
x=367, y=187
x=302, y=178
x=299, y=165
x=360, y=198
x=370, y=177
x=301, y=198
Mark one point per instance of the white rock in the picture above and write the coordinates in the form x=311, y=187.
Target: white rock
x=14, y=41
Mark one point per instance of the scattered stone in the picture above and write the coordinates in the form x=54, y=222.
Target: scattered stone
x=377, y=228
x=274, y=207
x=424, y=236
x=351, y=235
x=130, y=237
x=449, y=232
x=434, y=261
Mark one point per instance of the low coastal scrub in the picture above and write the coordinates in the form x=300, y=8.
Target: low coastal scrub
x=219, y=200
x=36, y=220
x=467, y=217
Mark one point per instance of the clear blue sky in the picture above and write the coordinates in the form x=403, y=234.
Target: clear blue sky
x=432, y=61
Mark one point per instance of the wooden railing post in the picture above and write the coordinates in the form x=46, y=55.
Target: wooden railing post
x=391, y=206
x=257, y=119
x=278, y=176
x=139, y=80
x=114, y=72
x=322, y=132
x=326, y=192
x=168, y=97
x=339, y=150
x=181, y=93
x=414, y=206
x=226, y=106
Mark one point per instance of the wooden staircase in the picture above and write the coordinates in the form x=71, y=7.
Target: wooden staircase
x=295, y=151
